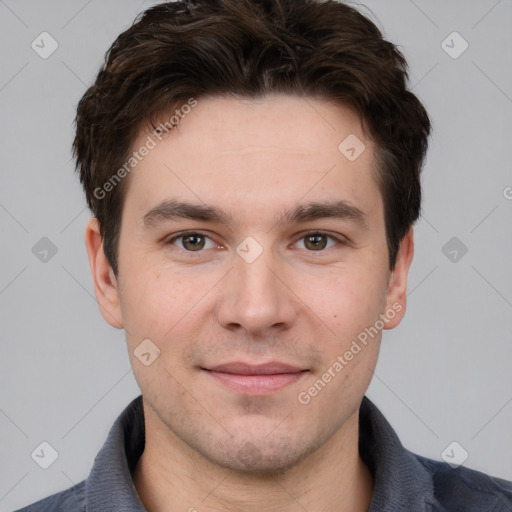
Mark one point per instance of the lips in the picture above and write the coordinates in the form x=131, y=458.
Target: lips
x=261, y=369
x=256, y=380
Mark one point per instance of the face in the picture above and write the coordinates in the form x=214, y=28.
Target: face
x=253, y=255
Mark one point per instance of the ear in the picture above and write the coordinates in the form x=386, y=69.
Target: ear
x=105, y=283
x=396, y=295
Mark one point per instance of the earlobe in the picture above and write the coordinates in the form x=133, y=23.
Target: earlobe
x=104, y=280
x=396, y=297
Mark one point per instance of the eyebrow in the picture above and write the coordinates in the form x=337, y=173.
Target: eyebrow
x=172, y=209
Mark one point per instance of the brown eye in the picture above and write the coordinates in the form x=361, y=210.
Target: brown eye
x=191, y=242
x=316, y=241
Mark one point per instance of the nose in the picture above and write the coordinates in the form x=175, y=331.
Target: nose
x=256, y=297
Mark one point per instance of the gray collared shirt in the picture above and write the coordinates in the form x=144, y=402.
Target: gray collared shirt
x=403, y=481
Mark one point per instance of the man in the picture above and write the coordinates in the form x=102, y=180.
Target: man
x=253, y=169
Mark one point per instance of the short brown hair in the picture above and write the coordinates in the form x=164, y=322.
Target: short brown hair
x=250, y=48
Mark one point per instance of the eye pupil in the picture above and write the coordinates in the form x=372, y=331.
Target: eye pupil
x=196, y=242
x=193, y=239
x=318, y=241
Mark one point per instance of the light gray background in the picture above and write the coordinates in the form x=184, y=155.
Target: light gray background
x=443, y=374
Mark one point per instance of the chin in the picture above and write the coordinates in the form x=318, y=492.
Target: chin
x=260, y=458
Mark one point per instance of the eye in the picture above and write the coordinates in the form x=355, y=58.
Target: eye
x=192, y=241
x=317, y=241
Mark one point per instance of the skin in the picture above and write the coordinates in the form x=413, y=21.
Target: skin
x=208, y=447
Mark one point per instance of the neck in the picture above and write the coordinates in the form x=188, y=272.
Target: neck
x=170, y=476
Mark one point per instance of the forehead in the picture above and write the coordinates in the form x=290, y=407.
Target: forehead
x=256, y=153
x=300, y=125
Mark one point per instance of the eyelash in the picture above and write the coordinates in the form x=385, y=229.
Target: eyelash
x=184, y=234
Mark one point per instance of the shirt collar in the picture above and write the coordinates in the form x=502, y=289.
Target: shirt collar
x=401, y=482
x=109, y=487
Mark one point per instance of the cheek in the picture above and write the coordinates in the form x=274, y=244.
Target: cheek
x=350, y=306
x=348, y=298
x=161, y=309
x=156, y=305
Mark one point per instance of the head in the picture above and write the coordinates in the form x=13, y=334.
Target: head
x=281, y=135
